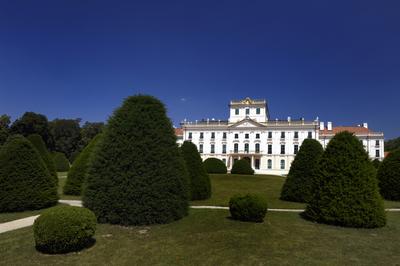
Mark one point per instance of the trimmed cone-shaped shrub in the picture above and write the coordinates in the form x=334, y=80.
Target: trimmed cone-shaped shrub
x=200, y=185
x=301, y=181
x=389, y=176
x=78, y=170
x=40, y=146
x=137, y=174
x=214, y=166
x=376, y=163
x=64, y=229
x=348, y=192
x=61, y=162
x=248, y=208
x=25, y=181
x=242, y=167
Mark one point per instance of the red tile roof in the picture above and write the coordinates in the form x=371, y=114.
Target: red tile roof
x=355, y=130
x=386, y=153
x=178, y=131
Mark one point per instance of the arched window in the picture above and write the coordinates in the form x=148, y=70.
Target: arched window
x=282, y=164
x=236, y=148
x=269, y=164
x=246, y=147
x=257, y=147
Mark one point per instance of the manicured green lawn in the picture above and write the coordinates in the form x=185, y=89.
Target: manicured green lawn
x=208, y=237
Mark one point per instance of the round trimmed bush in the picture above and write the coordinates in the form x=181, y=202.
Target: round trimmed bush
x=25, y=181
x=64, y=229
x=389, y=176
x=137, y=174
x=301, y=182
x=348, y=193
x=250, y=207
x=214, y=166
x=61, y=162
x=242, y=167
x=78, y=170
x=40, y=146
x=200, y=185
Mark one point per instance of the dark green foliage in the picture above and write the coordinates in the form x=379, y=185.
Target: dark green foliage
x=200, y=185
x=242, y=167
x=66, y=135
x=61, y=162
x=214, y=166
x=348, y=191
x=78, y=170
x=137, y=175
x=90, y=130
x=301, y=181
x=376, y=163
x=40, y=146
x=64, y=229
x=33, y=123
x=250, y=207
x=4, y=128
x=389, y=176
x=25, y=182
x=392, y=144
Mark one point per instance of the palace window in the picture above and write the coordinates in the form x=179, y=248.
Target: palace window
x=246, y=147
x=377, y=154
x=269, y=164
x=223, y=148
x=377, y=143
x=190, y=135
x=282, y=149
x=236, y=136
x=257, y=163
x=257, y=135
x=282, y=134
x=247, y=111
x=236, y=148
x=201, y=148
x=309, y=135
x=257, y=147
x=270, y=135
x=296, y=134
x=296, y=148
x=224, y=135
x=269, y=149
x=258, y=111
x=246, y=136
x=282, y=164
x=213, y=135
x=212, y=148
x=201, y=135
x=236, y=111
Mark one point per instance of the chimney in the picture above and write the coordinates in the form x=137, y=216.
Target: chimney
x=329, y=125
x=321, y=125
x=365, y=125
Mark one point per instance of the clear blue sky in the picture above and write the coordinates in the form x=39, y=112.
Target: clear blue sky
x=339, y=60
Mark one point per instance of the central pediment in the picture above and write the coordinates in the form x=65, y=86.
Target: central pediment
x=246, y=123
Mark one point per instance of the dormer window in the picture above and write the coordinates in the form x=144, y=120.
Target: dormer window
x=236, y=111
x=258, y=111
x=247, y=111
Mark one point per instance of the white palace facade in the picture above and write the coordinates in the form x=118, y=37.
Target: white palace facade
x=269, y=145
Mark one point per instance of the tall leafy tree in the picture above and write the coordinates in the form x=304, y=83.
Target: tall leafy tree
x=301, y=181
x=137, y=175
x=66, y=134
x=348, y=193
x=392, y=144
x=5, y=121
x=389, y=176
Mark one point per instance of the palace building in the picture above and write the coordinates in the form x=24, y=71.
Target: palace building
x=269, y=145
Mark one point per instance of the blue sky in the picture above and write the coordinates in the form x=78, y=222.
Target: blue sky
x=338, y=60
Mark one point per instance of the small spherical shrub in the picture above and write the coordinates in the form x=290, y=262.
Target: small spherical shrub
x=248, y=208
x=200, y=185
x=61, y=162
x=25, y=181
x=389, y=176
x=242, y=167
x=64, y=229
x=214, y=166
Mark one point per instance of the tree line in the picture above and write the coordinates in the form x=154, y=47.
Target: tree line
x=392, y=144
x=60, y=135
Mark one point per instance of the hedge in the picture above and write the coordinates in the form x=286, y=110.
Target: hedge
x=250, y=207
x=214, y=166
x=389, y=176
x=137, y=175
x=26, y=183
x=242, y=167
x=64, y=229
x=61, y=162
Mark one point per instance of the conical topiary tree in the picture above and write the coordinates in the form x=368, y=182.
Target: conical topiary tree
x=25, y=182
x=61, y=162
x=389, y=176
x=40, y=146
x=242, y=167
x=137, y=174
x=348, y=193
x=300, y=183
x=78, y=170
x=214, y=166
x=200, y=185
